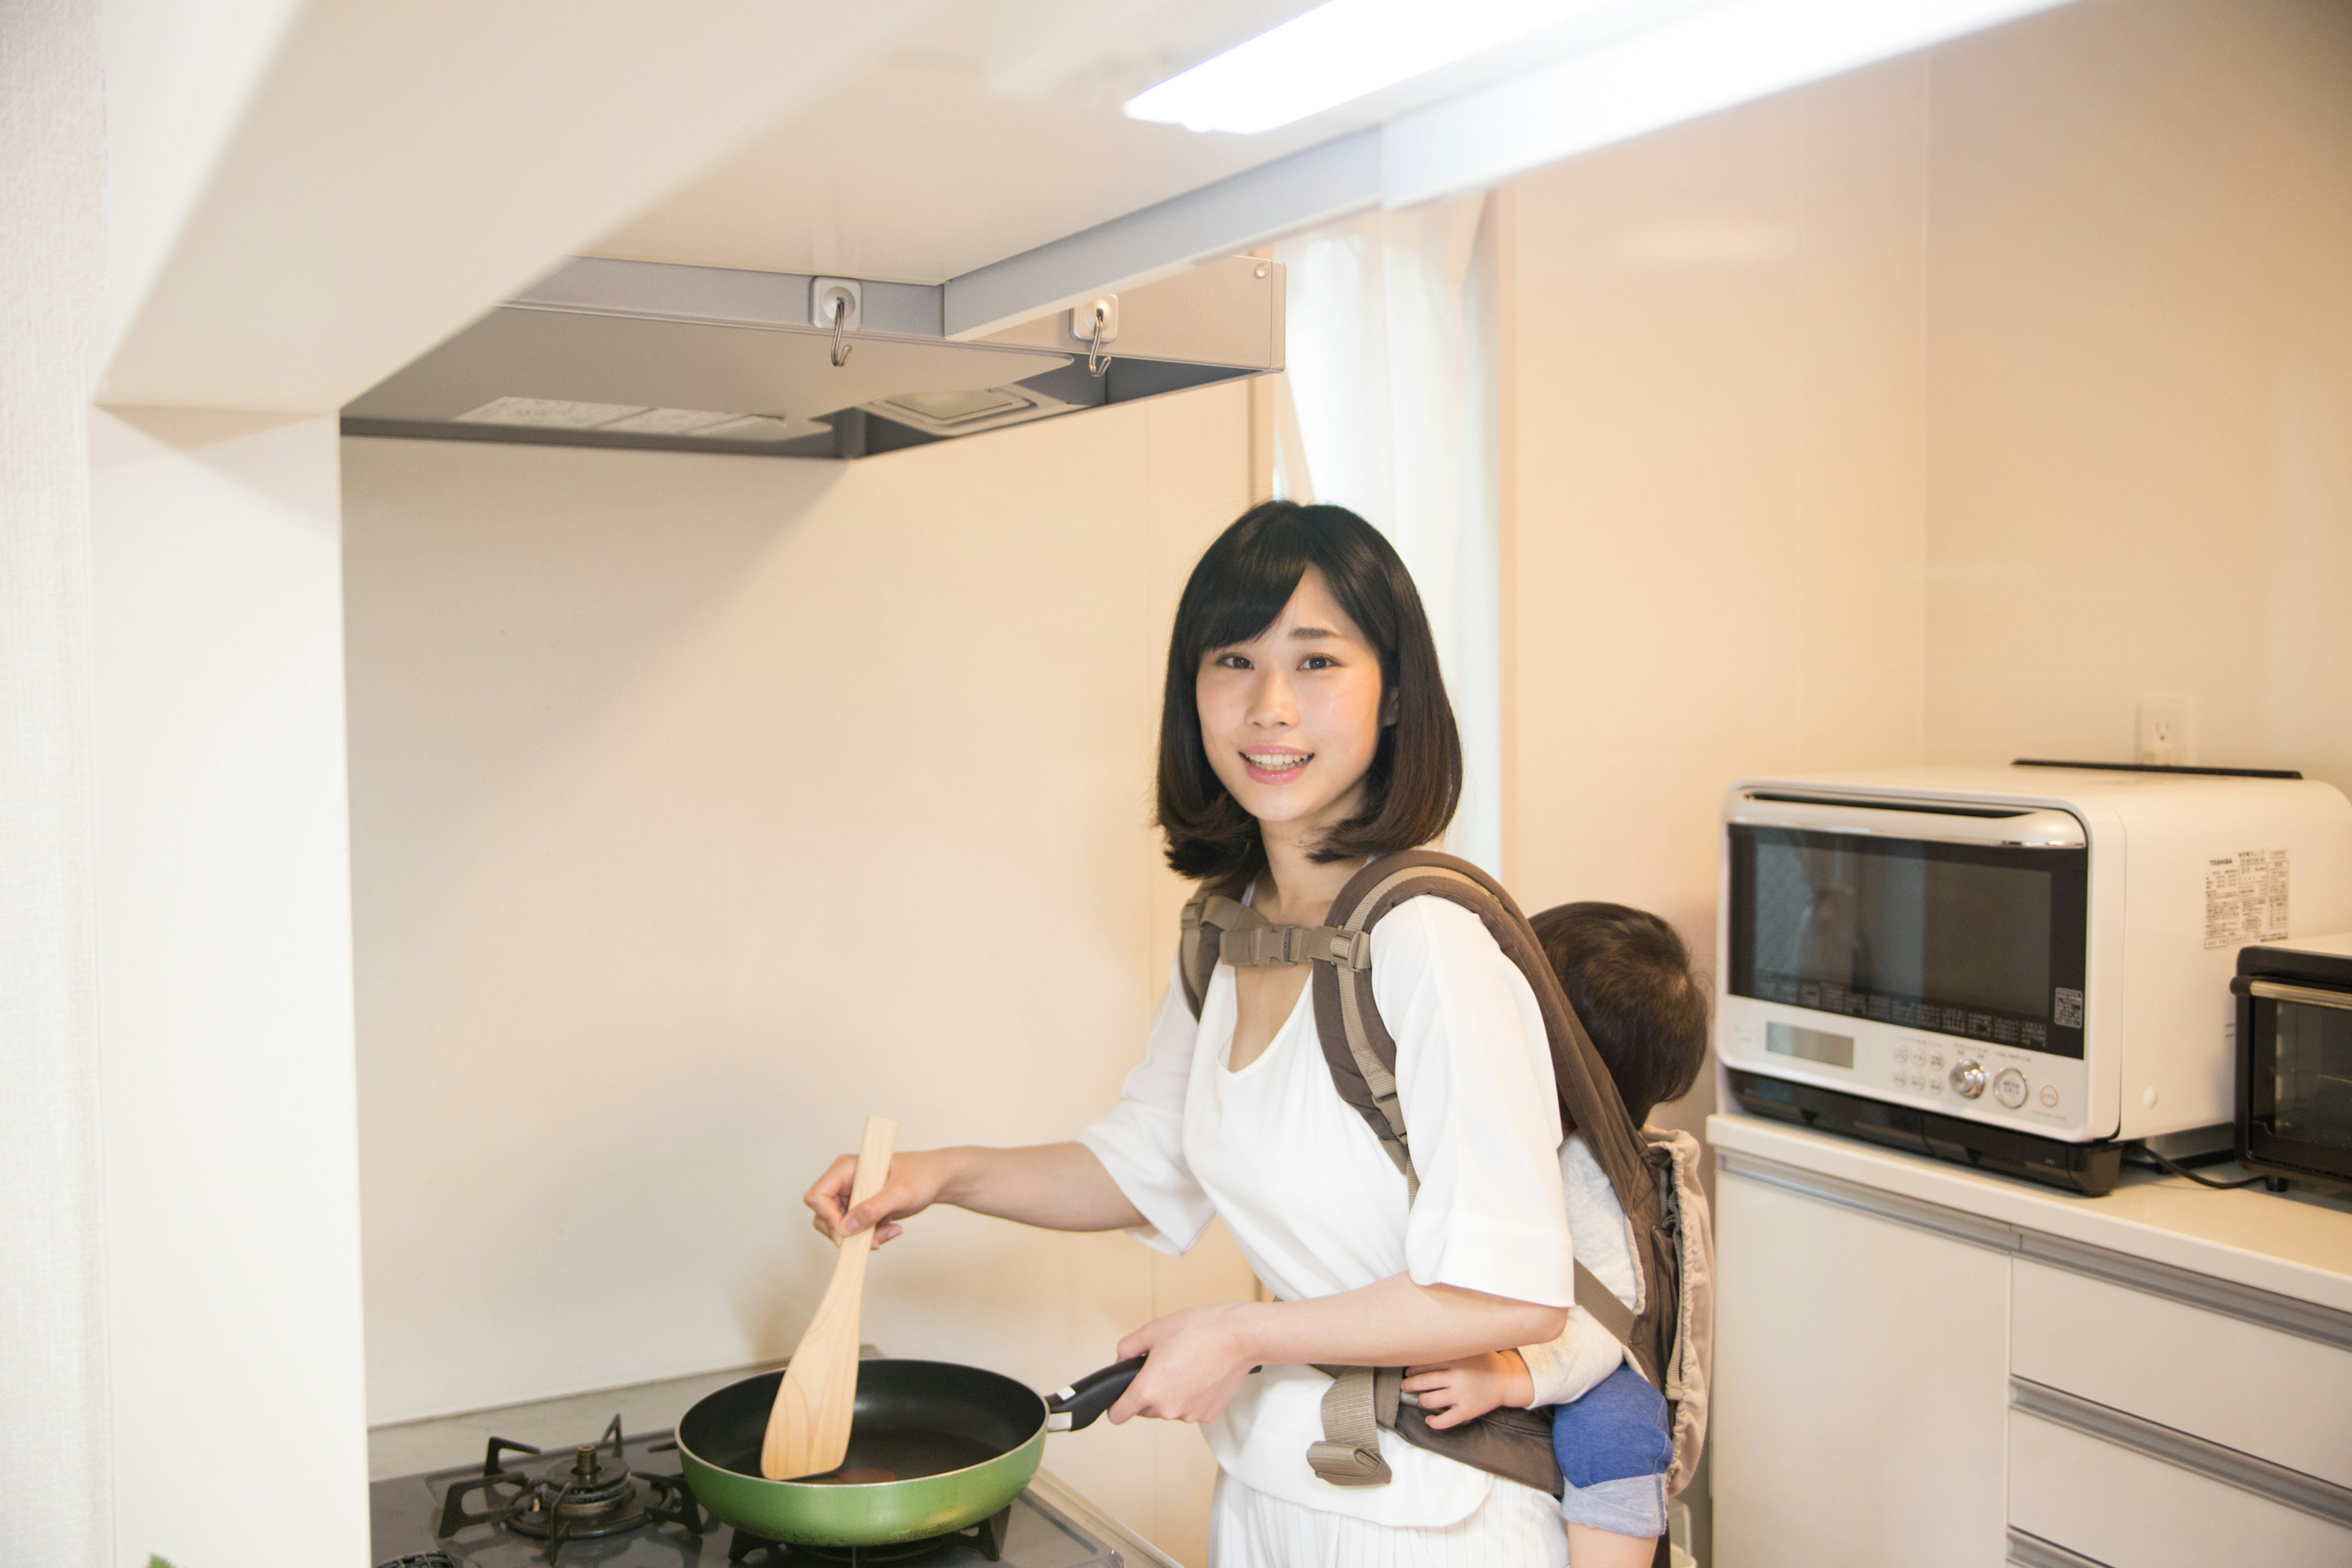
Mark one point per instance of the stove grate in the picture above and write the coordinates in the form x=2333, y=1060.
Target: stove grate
x=588, y=1503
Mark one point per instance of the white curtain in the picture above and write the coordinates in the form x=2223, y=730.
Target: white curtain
x=1388, y=408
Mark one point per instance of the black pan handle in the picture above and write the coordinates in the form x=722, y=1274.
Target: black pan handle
x=1078, y=1404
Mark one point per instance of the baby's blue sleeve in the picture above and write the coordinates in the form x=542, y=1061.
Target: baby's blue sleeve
x=1615, y=1449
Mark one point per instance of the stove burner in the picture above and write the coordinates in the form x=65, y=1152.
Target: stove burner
x=587, y=1502
x=987, y=1536
x=422, y=1560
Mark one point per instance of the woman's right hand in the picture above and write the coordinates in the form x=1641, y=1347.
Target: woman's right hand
x=1061, y=1186
x=915, y=1182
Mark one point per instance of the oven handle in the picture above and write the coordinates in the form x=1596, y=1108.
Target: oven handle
x=2026, y=827
x=2273, y=991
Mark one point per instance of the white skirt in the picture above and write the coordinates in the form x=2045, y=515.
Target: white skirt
x=1515, y=1527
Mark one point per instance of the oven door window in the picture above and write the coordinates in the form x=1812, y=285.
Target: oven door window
x=2303, y=1082
x=1980, y=942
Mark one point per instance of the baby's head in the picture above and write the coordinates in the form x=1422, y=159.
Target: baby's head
x=1628, y=977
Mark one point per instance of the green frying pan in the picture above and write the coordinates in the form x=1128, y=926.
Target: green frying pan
x=933, y=1447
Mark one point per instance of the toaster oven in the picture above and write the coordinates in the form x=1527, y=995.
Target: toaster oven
x=2021, y=967
x=2294, y=1059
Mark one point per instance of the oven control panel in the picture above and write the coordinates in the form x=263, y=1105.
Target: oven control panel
x=1980, y=1080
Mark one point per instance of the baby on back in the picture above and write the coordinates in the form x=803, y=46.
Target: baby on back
x=1628, y=975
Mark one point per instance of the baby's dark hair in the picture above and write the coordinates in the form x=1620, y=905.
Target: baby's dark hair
x=1628, y=975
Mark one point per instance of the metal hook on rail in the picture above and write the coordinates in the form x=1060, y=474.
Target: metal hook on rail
x=1097, y=361
x=840, y=315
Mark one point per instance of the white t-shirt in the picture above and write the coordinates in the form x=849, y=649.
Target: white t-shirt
x=1317, y=1208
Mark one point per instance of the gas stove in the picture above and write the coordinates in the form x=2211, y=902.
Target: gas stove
x=621, y=1502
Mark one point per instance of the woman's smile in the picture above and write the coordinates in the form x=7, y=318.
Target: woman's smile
x=1275, y=764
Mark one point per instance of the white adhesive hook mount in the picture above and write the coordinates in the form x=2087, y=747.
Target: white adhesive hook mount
x=825, y=293
x=1096, y=321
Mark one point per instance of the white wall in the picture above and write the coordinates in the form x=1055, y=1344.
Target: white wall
x=2140, y=343
x=1713, y=479
x=179, y=74
x=52, y=1344
x=224, y=995
x=703, y=805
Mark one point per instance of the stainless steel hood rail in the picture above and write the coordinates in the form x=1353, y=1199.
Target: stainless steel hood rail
x=703, y=359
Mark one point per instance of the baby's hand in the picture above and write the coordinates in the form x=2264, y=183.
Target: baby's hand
x=1453, y=1392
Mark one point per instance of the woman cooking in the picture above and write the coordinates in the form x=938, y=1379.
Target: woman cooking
x=1305, y=729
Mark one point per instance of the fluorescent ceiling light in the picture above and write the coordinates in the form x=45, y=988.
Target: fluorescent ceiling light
x=1336, y=53
x=1706, y=58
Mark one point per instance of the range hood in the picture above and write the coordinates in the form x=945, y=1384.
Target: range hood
x=703, y=359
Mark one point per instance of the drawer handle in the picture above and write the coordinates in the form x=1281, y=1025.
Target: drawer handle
x=2031, y=1552
x=2278, y=1484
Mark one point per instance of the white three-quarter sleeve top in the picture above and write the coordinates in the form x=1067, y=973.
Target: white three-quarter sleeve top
x=1317, y=1208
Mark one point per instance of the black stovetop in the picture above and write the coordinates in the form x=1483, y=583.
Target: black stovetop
x=1047, y=1526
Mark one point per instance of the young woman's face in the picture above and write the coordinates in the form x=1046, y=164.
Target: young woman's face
x=1291, y=718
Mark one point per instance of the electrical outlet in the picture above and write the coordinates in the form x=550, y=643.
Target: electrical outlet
x=2167, y=731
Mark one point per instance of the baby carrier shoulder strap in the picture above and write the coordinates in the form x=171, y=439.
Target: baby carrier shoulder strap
x=1362, y=1054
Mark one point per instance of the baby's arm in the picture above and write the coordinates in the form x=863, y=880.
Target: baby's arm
x=1465, y=1388
x=1573, y=1365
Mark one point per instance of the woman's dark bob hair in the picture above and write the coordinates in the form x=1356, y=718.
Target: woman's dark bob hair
x=1237, y=591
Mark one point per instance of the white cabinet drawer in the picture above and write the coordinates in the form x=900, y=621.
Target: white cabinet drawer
x=2262, y=1391
x=2127, y=1510
x=1859, y=1404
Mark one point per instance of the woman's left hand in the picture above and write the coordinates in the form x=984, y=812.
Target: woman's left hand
x=1198, y=1359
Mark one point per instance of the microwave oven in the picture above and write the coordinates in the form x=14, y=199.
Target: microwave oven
x=2021, y=967
x=2294, y=1059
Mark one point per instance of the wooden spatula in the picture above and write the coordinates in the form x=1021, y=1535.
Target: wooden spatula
x=808, y=1429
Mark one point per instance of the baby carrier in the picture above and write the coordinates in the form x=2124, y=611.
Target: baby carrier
x=1654, y=1174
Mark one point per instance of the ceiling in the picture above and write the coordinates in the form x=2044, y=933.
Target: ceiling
x=993, y=126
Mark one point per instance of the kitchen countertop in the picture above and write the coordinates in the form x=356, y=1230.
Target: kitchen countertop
x=2297, y=1244
x=406, y=1448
